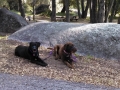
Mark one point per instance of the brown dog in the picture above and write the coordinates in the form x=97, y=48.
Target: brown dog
x=64, y=52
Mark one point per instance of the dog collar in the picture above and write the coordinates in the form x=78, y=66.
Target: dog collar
x=72, y=57
x=68, y=54
x=65, y=52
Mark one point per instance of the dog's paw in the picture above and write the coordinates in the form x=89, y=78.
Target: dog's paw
x=56, y=57
x=40, y=62
x=69, y=65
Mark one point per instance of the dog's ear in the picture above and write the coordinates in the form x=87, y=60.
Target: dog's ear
x=30, y=43
x=69, y=47
x=38, y=44
x=65, y=46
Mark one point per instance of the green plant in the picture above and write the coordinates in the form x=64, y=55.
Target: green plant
x=60, y=14
x=46, y=13
x=16, y=12
x=28, y=8
x=89, y=57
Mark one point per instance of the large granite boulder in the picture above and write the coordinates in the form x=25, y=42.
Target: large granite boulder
x=10, y=22
x=41, y=8
x=99, y=40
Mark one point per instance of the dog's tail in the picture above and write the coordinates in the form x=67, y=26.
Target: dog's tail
x=50, y=48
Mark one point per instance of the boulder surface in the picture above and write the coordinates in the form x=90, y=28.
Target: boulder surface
x=99, y=40
x=10, y=22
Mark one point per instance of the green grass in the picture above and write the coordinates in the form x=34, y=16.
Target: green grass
x=26, y=13
x=89, y=57
x=60, y=14
x=3, y=37
x=16, y=12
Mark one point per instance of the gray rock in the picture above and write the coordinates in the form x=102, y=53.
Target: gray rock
x=99, y=40
x=16, y=82
x=10, y=22
x=41, y=8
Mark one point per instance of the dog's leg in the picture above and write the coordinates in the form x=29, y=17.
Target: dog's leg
x=50, y=48
x=69, y=65
x=41, y=62
x=56, y=52
x=38, y=61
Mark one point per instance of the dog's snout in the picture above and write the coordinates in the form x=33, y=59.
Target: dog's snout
x=73, y=49
x=34, y=48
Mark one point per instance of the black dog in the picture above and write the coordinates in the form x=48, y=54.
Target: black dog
x=30, y=52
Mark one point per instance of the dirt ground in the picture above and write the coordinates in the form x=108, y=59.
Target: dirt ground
x=38, y=17
x=88, y=69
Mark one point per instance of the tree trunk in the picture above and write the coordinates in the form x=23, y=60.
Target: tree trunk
x=21, y=9
x=33, y=12
x=109, y=9
x=113, y=11
x=101, y=13
x=86, y=9
x=78, y=7
x=93, y=11
x=94, y=7
x=67, y=10
x=106, y=7
x=63, y=9
x=34, y=1
x=53, y=16
x=82, y=6
x=119, y=20
x=10, y=4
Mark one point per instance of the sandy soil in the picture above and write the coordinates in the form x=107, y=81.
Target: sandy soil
x=87, y=69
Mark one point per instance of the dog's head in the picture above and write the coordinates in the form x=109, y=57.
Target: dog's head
x=33, y=48
x=70, y=48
